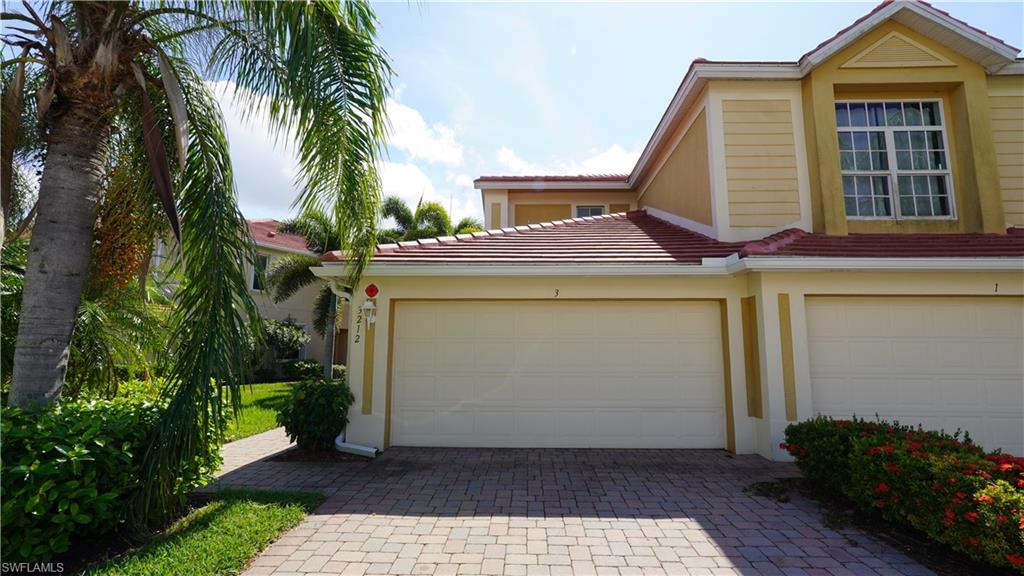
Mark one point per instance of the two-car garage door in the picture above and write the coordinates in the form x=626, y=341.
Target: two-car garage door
x=945, y=363
x=598, y=374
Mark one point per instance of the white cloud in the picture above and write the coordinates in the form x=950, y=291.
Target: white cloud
x=614, y=160
x=460, y=180
x=410, y=132
x=264, y=170
x=513, y=165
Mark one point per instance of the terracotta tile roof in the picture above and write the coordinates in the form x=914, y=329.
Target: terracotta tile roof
x=630, y=238
x=799, y=243
x=264, y=231
x=639, y=238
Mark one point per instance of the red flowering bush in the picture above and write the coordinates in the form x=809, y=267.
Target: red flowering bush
x=938, y=483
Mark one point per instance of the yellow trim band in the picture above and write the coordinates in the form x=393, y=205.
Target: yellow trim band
x=788, y=372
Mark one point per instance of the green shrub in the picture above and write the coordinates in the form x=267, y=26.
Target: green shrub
x=316, y=413
x=68, y=472
x=285, y=338
x=338, y=371
x=302, y=369
x=946, y=487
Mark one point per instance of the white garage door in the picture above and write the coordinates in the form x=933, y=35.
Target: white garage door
x=946, y=363
x=601, y=374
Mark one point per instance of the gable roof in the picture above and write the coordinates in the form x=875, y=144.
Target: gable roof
x=638, y=238
x=264, y=232
x=973, y=43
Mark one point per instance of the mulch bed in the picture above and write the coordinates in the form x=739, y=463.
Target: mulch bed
x=299, y=455
x=838, y=513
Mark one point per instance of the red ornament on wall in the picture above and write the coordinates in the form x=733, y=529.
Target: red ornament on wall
x=372, y=291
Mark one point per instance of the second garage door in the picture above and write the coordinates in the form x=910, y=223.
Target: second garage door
x=596, y=374
x=944, y=363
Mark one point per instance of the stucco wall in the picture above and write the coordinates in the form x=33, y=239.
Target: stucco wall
x=751, y=434
x=530, y=207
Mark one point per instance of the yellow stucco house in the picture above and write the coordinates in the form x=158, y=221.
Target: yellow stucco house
x=842, y=234
x=271, y=245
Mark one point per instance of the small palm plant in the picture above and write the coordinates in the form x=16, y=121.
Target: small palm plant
x=429, y=220
x=292, y=273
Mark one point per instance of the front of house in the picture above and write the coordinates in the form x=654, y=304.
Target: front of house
x=839, y=235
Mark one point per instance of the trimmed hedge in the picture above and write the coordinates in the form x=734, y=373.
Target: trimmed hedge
x=316, y=413
x=940, y=484
x=301, y=369
x=69, y=472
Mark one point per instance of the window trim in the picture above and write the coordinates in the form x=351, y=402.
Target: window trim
x=892, y=175
x=576, y=209
x=252, y=274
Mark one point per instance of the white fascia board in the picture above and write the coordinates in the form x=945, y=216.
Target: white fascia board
x=728, y=266
x=1012, y=69
x=846, y=38
x=949, y=264
x=540, y=184
x=711, y=267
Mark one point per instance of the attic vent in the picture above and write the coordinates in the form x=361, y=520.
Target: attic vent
x=895, y=50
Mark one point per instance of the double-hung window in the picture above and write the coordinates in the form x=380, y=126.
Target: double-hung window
x=259, y=273
x=894, y=159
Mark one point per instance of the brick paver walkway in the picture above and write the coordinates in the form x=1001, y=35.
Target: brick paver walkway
x=460, y=511
x=249, y=450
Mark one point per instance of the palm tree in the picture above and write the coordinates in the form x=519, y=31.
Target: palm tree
x=429, y=220
x=292, y=273
x=122, y=91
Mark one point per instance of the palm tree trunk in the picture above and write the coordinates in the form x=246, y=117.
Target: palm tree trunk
x=332, y=313
x=58, y=257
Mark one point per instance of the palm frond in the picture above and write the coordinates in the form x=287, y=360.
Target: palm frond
x=291, y=273
x=323, y=79
x=468, y=225
x=431, y=221
x=396, y=209
x=215, y=317
x=322, y=309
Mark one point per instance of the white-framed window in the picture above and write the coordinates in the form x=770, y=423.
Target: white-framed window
x=894, y=159
x=584, y=211
x=259, y=273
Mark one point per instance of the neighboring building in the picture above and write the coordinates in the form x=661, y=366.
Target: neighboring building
x=270, y=245
x=833, y=235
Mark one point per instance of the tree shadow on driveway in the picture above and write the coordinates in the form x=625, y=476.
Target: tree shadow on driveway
x=679, y=511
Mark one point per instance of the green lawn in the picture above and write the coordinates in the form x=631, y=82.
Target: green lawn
x=219, y=538
x=259, y=409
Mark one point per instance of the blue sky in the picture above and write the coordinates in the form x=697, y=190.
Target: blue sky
x=501, y=88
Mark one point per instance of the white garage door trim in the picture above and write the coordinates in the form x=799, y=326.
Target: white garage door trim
x=514, y=405
x=942, y=361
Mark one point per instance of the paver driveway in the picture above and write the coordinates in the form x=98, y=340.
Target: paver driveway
x=462, y=511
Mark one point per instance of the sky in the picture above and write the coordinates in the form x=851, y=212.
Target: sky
x=549, y=88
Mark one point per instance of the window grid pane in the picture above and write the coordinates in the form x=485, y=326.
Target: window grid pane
x=914, y=132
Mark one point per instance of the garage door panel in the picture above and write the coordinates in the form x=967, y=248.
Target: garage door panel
x=943, y=363
x=1002, y=356
x=654, y=379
